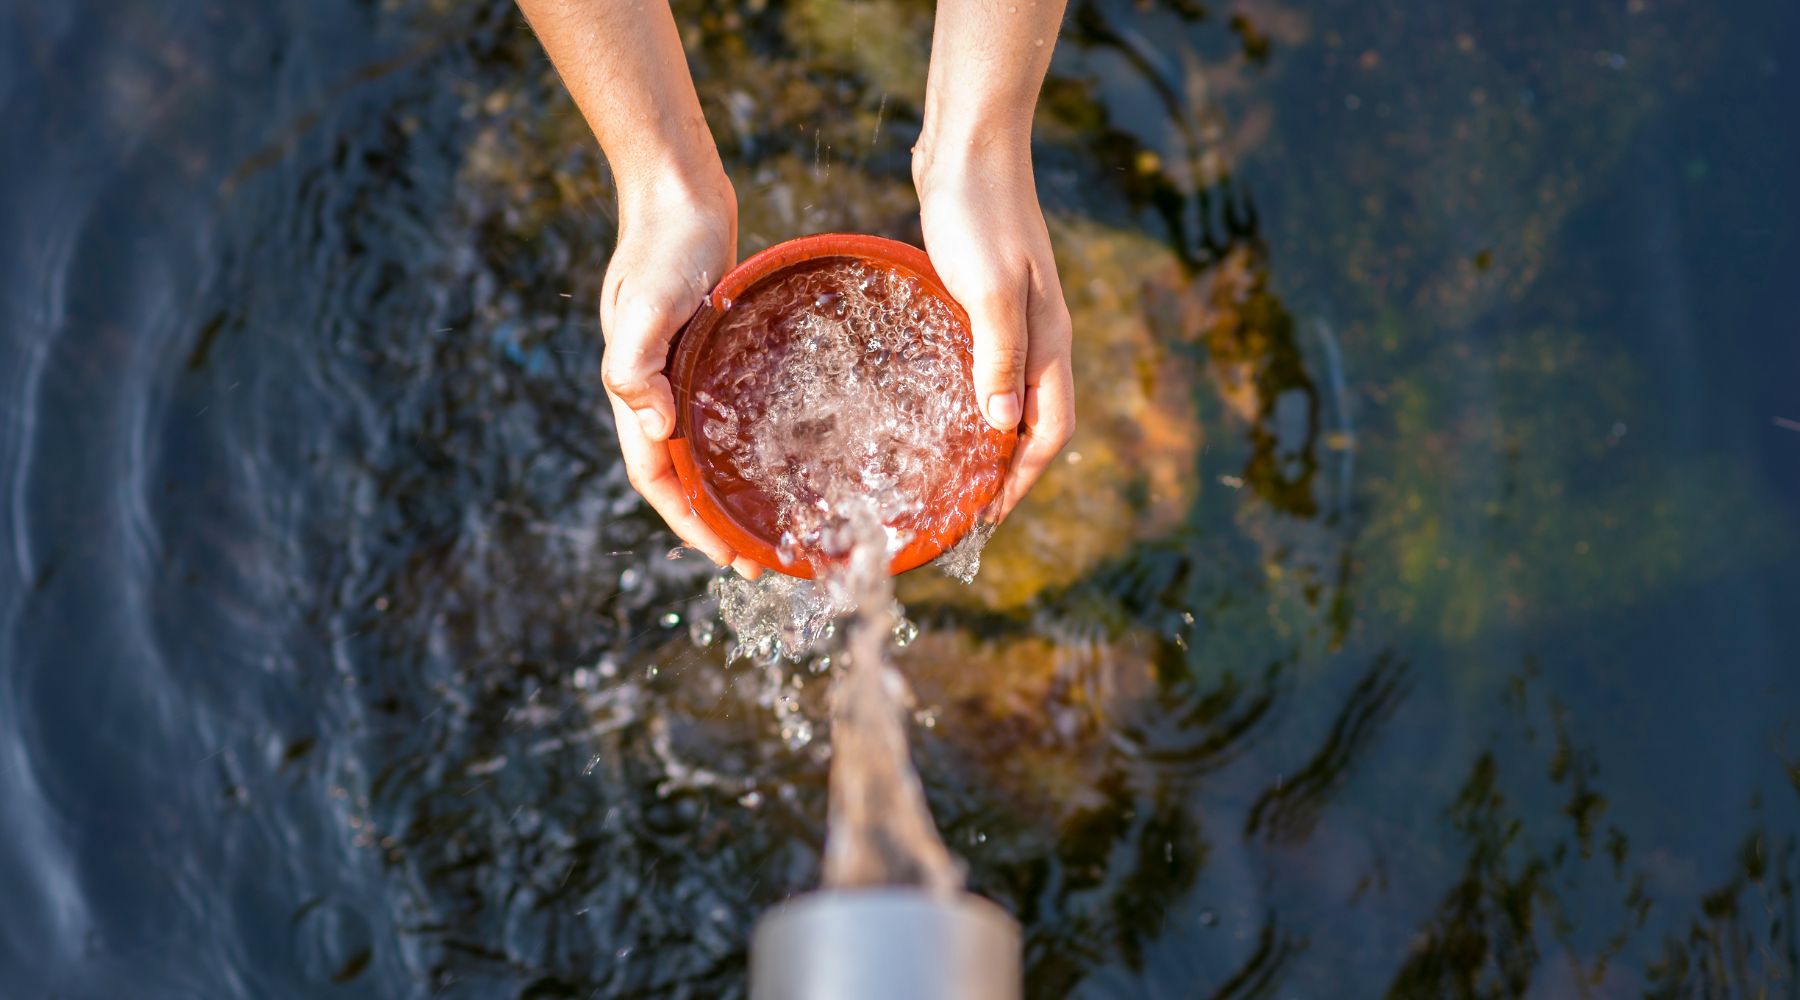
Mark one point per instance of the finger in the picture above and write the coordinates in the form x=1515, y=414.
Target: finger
x=747, y=568
x=652, y=474
x=632, y=366
x=1049, y=423
x=997, y=324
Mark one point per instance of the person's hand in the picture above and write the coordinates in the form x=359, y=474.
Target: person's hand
x=675, y=242
x=986, y=238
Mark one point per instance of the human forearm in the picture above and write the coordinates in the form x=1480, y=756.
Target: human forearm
x=983, y=226
x=988, y=59
x=622, y=62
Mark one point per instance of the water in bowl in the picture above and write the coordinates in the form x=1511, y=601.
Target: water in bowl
x=834, y=381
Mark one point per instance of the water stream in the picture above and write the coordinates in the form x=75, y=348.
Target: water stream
x=837, y=409
x=1414, y=610
x=880, y=828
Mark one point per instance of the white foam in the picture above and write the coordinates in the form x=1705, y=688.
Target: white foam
x=846, y=381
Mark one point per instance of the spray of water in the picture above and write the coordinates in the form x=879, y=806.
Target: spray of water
x=880, y=831
x=840, y=407
x=838, y=382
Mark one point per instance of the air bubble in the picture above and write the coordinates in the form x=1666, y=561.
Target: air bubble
x=806, y=402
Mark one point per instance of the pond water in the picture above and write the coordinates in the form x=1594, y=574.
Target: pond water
x=1414, y=612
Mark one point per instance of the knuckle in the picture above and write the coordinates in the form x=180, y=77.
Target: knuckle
x=621, y=377
x=995, y=298
x=654, y=312
x=618, y=382
x=1007, y=358
x=977, y=286
x=638, y=314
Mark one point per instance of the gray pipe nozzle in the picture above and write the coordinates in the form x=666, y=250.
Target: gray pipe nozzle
x=885, y=944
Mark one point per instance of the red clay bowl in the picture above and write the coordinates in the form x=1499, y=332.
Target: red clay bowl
x=747, y=523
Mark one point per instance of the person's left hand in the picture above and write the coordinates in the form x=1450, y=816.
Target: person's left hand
x=986, y=237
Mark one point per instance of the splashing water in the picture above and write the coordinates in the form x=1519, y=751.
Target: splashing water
x=842, y=380
x=880, y=827
x=839, y=408
x=880, y=830
x=962, y=561
x=776, y=615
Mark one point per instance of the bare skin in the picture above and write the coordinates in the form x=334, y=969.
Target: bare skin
x=623, y=63
x=983, y=228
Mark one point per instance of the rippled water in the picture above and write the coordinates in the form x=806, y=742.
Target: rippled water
x=1415, y=609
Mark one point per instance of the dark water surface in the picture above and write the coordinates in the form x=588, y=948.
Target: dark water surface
x=1416, y=612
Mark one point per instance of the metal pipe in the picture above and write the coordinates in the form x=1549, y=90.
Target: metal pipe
x=885, y=944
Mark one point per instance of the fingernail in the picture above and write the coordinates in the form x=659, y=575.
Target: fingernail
x=651, y=421
x=1003, y=410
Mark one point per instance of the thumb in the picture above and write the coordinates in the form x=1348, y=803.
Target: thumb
x=632, y=366
x=997, y=323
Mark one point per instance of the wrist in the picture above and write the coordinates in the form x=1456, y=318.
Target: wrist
x=950, y=155
x=984, y=125
x=697, y=189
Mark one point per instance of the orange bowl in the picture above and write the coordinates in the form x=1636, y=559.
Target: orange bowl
x=750, y=528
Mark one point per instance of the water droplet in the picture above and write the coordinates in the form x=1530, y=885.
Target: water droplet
x=671, y=619
x=796, y=733
x=750, y=799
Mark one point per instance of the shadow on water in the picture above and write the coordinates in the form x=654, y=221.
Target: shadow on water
x=1401, y=619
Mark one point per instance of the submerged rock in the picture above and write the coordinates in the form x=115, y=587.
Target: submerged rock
x=1129, y=473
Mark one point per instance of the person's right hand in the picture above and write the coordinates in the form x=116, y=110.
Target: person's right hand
x=675, y=243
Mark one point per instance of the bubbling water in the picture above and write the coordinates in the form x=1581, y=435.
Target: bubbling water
x=837, y=407
x=841, y=380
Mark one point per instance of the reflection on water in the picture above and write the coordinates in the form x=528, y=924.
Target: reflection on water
x=1412, y=612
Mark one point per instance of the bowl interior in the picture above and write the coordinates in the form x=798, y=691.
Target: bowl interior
x=804, y=371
